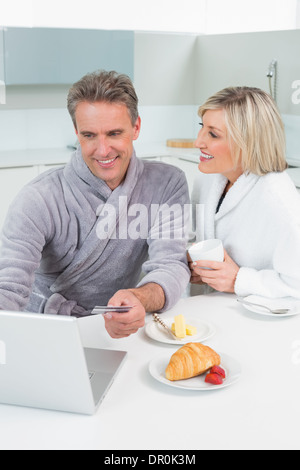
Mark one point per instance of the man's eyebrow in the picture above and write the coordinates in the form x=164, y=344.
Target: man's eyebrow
x=115, y=130
x=111, y=131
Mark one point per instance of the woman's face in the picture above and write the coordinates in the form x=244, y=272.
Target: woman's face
x=213, y=142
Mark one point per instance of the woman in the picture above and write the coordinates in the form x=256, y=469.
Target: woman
x=245, y=198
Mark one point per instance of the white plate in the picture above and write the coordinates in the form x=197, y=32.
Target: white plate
x=232, y=369
x=157, y=332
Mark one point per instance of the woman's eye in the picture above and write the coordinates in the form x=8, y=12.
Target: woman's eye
x=214, y=136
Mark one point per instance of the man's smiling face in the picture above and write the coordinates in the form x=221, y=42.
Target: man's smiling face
x=106, y=134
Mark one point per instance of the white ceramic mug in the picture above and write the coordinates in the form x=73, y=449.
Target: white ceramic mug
x=211, y=250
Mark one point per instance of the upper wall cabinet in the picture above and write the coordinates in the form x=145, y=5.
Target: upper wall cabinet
x=1, y=55
x=63, y=56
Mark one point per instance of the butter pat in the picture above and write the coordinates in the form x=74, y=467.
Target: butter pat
x=180, y=326
x=190, y=330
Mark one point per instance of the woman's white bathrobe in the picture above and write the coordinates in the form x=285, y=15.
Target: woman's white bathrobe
x=259, y=224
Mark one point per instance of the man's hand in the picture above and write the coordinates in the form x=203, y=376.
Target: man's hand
x=220, y=276
x=122, y=325
x=149, y=297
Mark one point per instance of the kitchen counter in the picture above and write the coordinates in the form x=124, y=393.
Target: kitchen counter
x=57, y=156
x=60, y=156
x=18, y=167
x=34, y=157
x=161, y=150
x=260, y=411
x=295, y=175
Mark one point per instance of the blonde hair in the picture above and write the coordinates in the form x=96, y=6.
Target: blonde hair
x=255, y=128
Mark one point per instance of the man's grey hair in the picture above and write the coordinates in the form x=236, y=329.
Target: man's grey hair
x=103, y=86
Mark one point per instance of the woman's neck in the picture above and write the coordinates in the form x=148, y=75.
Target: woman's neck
x=232, y=178
x=228, y=186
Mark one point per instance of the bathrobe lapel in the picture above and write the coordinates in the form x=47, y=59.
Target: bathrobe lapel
x=93, y=246
x=206, y=229
x=209, y=208
x=236, y=194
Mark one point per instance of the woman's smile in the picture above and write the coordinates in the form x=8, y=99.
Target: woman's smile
x=204, y=157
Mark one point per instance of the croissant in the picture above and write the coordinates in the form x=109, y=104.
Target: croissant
x=191, y=360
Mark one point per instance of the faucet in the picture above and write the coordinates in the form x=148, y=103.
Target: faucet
x=272, y=73
x=272, y=68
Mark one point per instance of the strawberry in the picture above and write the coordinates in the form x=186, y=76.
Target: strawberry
x=218, y=370
x=214, y=379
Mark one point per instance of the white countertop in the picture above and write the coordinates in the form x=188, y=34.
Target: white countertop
x=261, y=411
x=60, y=156
x=56, y=156
x=32, y=157
x=295, y=175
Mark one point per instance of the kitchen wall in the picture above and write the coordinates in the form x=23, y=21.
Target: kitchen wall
x=165, y=67
x=35, y=128
x=164, y=77
x=173, y=74
x=243, y=59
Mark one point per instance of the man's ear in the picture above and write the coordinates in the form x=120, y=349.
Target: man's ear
x=137, y=128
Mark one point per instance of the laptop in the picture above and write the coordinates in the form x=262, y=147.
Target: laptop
x=44, y=365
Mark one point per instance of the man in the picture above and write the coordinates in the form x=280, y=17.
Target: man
x=79, y=236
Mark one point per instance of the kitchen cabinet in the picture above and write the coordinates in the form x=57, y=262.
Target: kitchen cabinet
x=1, y=54
x=43, y=168
x=11, y=182
x=13, y=179
x=188, y=167
x=294, y=173
x=2, y=77
x=63, y=56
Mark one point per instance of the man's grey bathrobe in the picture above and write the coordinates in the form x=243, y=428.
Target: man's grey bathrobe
x=54, y=256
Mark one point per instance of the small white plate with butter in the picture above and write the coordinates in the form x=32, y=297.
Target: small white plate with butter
x=231, y=366
x=158, y=333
